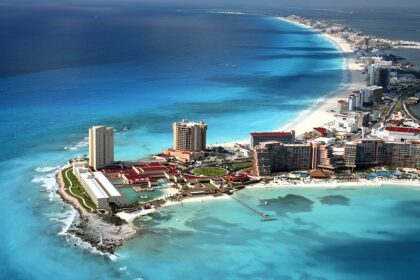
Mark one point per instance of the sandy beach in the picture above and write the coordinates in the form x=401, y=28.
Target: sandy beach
x=319, y=113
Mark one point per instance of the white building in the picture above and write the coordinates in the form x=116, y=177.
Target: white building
x=394, y=133
x=101, y=146
x=98, y=187
x=352, y=102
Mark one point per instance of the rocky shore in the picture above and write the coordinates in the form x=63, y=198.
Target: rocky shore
x=94, y=228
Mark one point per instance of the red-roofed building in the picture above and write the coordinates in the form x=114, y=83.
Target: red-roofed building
x=397, y=133
x=188, y=178
x=395, y=122
x=152, y=169
x=238, y=177
x=286, y=137
x=320, y=131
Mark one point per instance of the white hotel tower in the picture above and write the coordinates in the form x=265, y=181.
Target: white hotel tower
x=101, y=146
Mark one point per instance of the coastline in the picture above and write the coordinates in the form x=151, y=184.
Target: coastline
x=90, y=227
x=109, y=236
x=319, y=113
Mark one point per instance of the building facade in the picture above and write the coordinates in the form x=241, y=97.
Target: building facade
x=101, y=146
x=379, y=75
x=189, y=136
x=274, y=156
x=376, y=152
x=283, y=137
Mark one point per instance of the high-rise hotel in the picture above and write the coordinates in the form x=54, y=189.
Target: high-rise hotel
x=189, y=136
x=101, y=146
x=189, y=140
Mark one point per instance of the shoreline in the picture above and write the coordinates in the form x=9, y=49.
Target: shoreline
x=90, y=227
x=319, y=113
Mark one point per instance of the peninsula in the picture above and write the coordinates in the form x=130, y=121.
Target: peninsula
x=361, y=133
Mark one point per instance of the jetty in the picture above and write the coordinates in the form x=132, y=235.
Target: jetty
x=265, y=217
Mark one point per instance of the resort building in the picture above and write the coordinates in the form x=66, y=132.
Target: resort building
x=101, y=191
x=372, y=94
x=322, y=156
x=398, y=133
x=101, y=146
x=189, y=136
x=377, y=152
x=283, y=137
x=189, y=141
x=274, y=156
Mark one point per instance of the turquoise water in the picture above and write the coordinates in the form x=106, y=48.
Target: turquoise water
x=134, y=196
x=143, y=68
x=353, y=233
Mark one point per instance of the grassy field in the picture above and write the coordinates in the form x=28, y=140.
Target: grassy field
x=241, y=165
x=77, y=189
x=210, y=171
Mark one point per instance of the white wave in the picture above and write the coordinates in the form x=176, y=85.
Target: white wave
x=78, y=145
x=66, y=219
x=227, y=12
x=45, y=169
x=47, y=180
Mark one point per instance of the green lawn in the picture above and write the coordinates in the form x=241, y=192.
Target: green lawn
x=210, y=171
x=241, y=165
x=77, y=189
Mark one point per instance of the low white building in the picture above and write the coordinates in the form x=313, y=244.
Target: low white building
x=395, y=133
x=324, y=140
x=98, y=187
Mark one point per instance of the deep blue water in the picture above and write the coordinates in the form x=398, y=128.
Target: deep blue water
x=65, y=68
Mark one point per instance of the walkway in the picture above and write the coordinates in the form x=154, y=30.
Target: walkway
x=75, y=195
x=265, y=217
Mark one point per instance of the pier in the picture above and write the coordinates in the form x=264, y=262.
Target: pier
x=265, y=217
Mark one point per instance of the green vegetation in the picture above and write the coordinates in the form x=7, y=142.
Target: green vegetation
x=241, y=165
x=77, y=189
x=114, y=220
x=210, y=171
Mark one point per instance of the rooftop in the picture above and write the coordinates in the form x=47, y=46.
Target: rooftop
x=402, y=129
x=272, y=134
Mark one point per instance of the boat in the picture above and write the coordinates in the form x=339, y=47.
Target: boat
x=144, y=196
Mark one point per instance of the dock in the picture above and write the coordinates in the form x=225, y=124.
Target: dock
x=265, y=217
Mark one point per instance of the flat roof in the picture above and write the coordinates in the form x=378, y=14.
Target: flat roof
x=272, y=134
x=94, y=186
x=106, y=184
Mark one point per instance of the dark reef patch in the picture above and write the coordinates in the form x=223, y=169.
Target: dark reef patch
x=288, y=204
x=335, y=200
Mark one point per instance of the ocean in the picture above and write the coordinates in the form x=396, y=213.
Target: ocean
x=64, y=68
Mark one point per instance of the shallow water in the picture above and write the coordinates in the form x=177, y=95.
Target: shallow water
x=373, y=236
x=142, y=69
